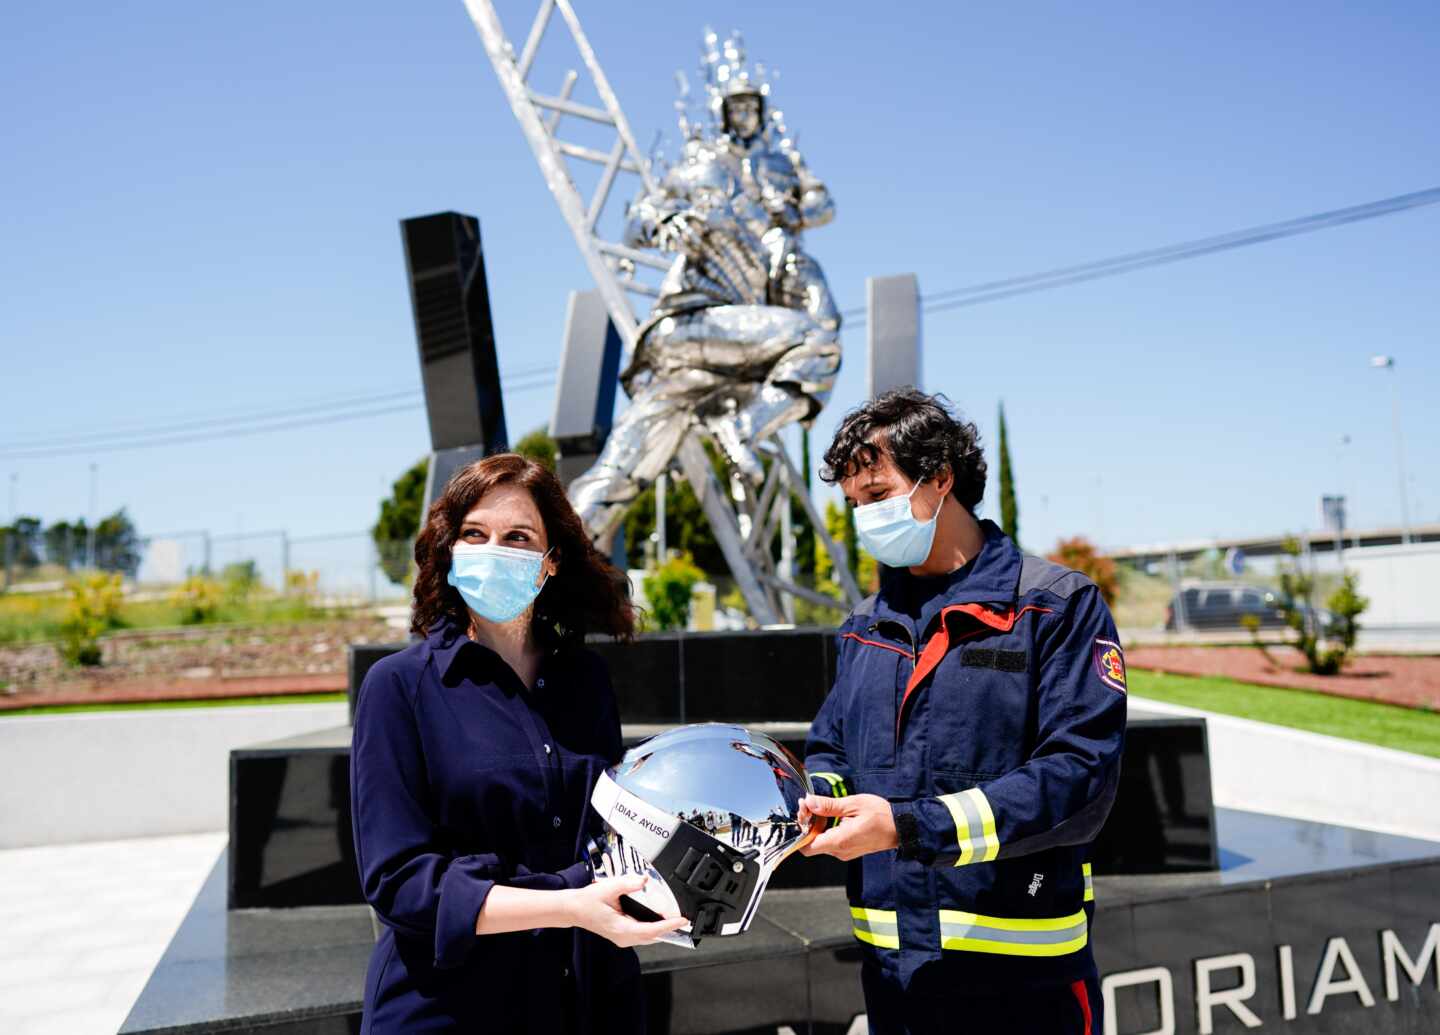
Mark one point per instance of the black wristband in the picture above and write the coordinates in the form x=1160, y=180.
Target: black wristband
x=907, y=830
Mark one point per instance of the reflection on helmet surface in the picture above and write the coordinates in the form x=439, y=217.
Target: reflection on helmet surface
x=737, y=791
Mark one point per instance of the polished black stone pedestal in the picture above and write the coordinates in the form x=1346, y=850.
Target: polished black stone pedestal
x=291, y=845
x=1168, y=947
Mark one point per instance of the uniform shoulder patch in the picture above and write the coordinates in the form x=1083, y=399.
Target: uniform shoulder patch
x=1110, y=664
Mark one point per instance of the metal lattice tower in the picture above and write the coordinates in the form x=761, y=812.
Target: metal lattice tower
x=744, y=520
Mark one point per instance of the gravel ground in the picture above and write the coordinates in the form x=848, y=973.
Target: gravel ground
x=193, y=656
x=1409, y=680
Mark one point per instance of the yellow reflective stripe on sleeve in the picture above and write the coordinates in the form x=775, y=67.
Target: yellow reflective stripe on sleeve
x=974, y=826
x=837, y=790
x=1089, y=883
x=878, y=927
x=836, y=782
x=962, y=829
x=1006, y=936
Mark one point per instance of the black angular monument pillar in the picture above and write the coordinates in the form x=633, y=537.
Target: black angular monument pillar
x=445, y=265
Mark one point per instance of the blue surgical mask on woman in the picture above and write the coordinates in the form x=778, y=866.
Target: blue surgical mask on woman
x=892, y=534
x=497, y=582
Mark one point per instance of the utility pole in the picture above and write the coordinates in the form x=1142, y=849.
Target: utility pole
x=1388, y=363
x=90, y=543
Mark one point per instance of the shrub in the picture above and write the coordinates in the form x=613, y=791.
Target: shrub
x=198, y=599
x=1081, y=554
x=1325, y=651
x=668, y=588
x=239, y=580
x=92, y=610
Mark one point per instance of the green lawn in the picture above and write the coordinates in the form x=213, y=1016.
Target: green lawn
x=209, y=702
x=1404, y=729
x=38, y=618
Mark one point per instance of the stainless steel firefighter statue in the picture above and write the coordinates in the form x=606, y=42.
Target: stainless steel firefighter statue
x=745, y=334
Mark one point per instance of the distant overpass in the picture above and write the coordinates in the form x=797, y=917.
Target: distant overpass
x=1271, y=546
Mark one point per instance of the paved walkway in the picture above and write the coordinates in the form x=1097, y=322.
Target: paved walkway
x=82, y=926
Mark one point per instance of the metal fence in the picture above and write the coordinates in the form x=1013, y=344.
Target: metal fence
x=1224, y=593
x=340, y=567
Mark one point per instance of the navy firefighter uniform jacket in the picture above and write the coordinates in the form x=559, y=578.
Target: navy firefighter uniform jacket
x=462, y=779
x=988, y=706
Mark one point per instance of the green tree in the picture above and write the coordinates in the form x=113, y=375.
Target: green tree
x=21, y=543
x=1009, y=509
x=686, y=527
x=117, y=544
x=65, y=543
x=840, y=524
x=399, y=521
x=540, y=447
x=668, y=589
x=804, y=533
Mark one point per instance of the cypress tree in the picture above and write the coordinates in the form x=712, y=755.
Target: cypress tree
x=1009, y=510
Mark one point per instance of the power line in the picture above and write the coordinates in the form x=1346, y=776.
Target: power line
x=284, y=425
x=298, y=410
x=995, y=290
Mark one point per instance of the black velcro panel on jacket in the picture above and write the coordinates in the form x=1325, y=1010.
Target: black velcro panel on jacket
x=987, y=657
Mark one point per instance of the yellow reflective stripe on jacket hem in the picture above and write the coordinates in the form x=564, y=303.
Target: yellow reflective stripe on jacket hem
x=972, y=932
x=878, y=927
x=1089, y=883
x=974, y=826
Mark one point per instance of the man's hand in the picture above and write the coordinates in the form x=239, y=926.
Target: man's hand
x=866, y=825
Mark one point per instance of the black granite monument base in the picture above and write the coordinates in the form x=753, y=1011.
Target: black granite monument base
x=1306, y=928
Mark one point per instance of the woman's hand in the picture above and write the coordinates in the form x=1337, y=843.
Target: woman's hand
x=596, y=908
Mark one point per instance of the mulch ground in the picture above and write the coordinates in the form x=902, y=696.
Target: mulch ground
x=1407, y=680
x=192, y=664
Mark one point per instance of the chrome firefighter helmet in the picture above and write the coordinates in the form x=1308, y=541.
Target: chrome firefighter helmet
x=707, y=812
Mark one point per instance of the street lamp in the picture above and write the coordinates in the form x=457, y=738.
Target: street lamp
x=1388, y=363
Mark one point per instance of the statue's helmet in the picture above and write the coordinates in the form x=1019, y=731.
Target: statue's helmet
x=707, y=812
x=729, y=80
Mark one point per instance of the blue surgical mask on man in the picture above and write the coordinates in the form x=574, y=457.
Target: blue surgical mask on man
x=497, y=582
x=889, y=530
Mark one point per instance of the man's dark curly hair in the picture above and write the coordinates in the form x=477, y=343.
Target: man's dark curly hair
x=921, y=433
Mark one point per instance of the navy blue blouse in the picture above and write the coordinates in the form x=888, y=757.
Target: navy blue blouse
x=461, y=779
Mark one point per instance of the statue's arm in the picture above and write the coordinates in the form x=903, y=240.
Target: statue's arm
x=644, y=219
x=816, y=206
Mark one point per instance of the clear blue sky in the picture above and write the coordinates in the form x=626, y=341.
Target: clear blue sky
x=200, y=214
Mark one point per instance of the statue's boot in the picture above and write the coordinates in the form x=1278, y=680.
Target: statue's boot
x=738, y=433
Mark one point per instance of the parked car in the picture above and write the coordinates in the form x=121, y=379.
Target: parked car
x=1224, y=605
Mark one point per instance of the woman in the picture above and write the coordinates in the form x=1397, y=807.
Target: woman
x=474, y=756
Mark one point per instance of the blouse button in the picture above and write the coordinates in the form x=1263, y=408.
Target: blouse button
x=555, y=822
x=540, y=684
x=547, y=749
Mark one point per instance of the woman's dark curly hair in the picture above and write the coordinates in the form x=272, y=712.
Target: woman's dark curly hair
x=920, y=432
x=586, y=593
